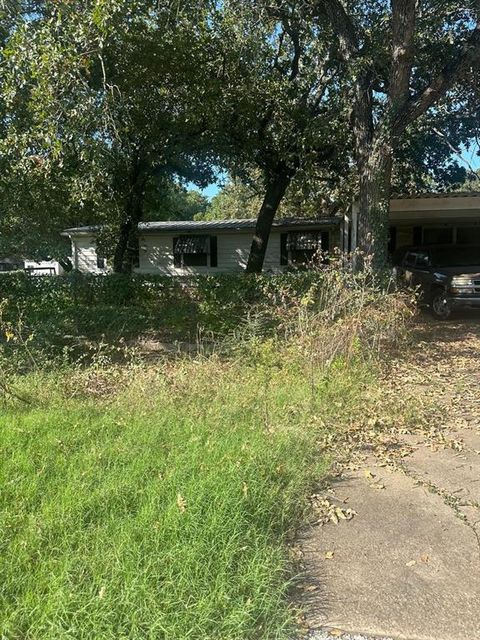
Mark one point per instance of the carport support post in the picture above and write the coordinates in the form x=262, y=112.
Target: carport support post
x=354, y=234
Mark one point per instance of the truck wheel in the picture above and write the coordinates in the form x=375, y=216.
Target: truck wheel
x=441, y=306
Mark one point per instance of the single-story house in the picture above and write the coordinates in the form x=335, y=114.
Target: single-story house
x=196, y=247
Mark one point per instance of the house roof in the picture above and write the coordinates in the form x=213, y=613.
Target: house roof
x=424, y=196
x=179, y=226
x=186, y=226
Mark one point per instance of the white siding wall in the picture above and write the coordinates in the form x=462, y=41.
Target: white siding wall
x=156, y=254
x=85, y=255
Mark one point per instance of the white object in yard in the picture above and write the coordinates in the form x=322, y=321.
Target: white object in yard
x=43, y=267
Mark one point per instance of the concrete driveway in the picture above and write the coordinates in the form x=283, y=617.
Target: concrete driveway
x=407, y=566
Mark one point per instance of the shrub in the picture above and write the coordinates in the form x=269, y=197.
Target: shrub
x=66, y=317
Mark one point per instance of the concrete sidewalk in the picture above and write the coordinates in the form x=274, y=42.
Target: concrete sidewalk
x=407, y=566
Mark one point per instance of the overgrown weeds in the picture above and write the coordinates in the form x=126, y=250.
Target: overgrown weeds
x=50, y=322
x=157, y=501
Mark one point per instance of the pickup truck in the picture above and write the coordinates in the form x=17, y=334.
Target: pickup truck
x=446, y=276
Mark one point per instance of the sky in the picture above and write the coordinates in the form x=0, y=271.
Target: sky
x=469, y=158
x=211, y=190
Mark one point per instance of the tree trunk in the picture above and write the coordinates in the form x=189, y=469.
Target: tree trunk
x=374, y=204
x=123, y=257
x=374, y=165
x=128, y=232
x=276, y=188
x=121, y=246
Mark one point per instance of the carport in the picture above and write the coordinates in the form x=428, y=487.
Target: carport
x=431, y=218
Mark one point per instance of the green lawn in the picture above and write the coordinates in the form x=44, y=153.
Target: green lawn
x=156, y=501
x=161, y=512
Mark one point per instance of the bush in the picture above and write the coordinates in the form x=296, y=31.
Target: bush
x=69, y=316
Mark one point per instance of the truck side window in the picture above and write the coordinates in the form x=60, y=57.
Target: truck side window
x=410, y=259
x=423, y=260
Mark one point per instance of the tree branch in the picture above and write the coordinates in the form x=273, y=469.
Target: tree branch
x=441, y=83
x=343, y=26
x=279, y=51
x=297, y=51
x=324, y=78
x=403, y=33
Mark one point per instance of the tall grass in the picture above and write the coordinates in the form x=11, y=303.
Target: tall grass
x=157, y=501
x=53, y=321
x=162, y=512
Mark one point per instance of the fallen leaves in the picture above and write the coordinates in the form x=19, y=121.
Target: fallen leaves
x=311, y=587
x=327, y=511
x=377, y=485
x=307, y=587
x=424, y=559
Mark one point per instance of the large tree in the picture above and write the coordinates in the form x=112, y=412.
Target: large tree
x=308, y=196
x=401, y=60
x=280, y=103
x=110, y=99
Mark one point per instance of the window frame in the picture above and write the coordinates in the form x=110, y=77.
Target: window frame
x=101, y=262
x=211, y=255
x=286, y=257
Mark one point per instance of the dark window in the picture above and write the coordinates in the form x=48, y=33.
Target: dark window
x=325, y=240
x=192, y=251
x=213, y=251
x=468, y=235
x=437, y=235
x=302, y=256
x=195, y=260
x=301, y=247
x=283, y=249
x=101, y=262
